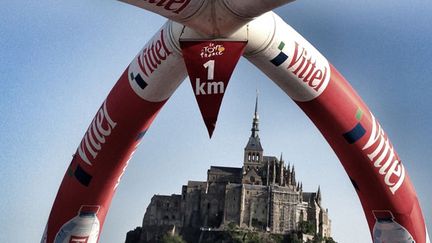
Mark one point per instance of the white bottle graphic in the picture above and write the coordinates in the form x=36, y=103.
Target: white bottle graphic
x=84, y=228
x=386, y=230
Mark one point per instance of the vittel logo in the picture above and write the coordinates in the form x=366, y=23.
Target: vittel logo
x=153, y=55
x=147, y=62
x=381, y=153
x=100, y=128
x=309, y=69
x=212, y=50
x=174, y=6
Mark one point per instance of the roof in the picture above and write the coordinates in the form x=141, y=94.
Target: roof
x=254, y=144
x=221, y=169
x=269, y=158
x=164, y=197
x=197, y=184
x=309, y=196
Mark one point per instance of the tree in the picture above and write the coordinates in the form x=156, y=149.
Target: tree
x=293, y=238
x=317, y=239
x=329, y=240
x=253, y=237
x=306, y=227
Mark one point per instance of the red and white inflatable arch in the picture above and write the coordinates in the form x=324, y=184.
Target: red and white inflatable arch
x=208, y=34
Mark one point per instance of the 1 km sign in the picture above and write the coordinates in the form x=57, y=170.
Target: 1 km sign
x=211, y=86
x=210, y=65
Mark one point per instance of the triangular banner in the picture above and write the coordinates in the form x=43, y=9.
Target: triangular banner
x=210, y=64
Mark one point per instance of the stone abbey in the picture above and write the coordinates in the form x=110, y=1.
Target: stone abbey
x=262, y=196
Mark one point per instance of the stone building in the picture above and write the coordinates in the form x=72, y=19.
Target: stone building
x=263, y=195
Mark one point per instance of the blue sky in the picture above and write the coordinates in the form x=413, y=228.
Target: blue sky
x=59, y=59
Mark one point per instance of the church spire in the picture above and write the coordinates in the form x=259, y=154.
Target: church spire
x=253, y=150
x=255, y=121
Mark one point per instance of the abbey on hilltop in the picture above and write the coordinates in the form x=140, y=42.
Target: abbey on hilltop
x=261, y=196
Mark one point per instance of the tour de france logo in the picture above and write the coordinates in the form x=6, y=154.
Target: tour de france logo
x=212, y=50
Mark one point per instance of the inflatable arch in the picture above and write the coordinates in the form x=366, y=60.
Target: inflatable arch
x=365, y=151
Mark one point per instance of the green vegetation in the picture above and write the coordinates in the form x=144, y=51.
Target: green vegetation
x=329, y=240
x=234, y=234
x=172, y=239
x=306, y=227
x=318, y=239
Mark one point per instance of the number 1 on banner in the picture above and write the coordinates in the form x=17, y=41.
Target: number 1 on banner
x=210, y=69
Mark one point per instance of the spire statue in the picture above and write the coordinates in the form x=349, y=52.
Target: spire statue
x=319, y=195
x=255, y=121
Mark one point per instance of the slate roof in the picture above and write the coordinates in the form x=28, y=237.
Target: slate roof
x=230, y=170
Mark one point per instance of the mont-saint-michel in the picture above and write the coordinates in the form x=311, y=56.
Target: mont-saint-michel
x=262, y=201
